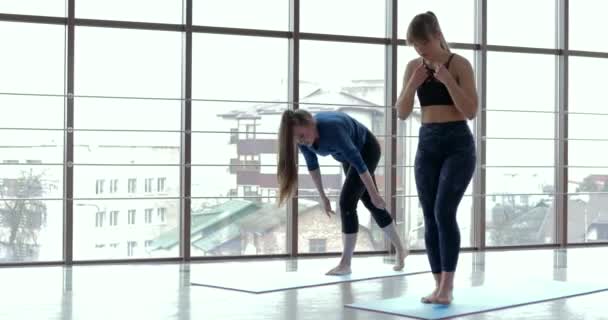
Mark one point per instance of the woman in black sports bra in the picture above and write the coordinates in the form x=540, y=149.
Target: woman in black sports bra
x=445, y=158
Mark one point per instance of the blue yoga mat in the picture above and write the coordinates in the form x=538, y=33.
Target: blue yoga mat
x=278, y=281
x=481, y=299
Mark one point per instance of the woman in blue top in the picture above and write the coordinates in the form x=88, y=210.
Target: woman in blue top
x=353, y=145
x=445, y=159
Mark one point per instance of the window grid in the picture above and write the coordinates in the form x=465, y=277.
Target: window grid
x=481, y=49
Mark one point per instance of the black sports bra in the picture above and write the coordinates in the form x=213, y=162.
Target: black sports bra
x=432, y=91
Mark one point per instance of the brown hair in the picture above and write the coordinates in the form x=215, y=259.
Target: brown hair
x=423, y=26
x=287, y=171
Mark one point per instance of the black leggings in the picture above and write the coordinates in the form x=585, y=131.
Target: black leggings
x=354, y=190
x=444, y=166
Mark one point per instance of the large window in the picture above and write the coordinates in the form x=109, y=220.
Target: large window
x=240, y=89
x=128, y=63
x=520, y=149
x=31, y=172
x=332, y=78
x=126, y=117
x=588, y=171
x=115, y=143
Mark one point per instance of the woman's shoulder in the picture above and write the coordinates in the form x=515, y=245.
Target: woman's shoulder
x=414, y=62
x=459, y=61
x=332, y=119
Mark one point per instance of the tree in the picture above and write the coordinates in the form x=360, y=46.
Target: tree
x=22, y=215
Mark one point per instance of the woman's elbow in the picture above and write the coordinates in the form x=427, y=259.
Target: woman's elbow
x=402, y=114
x=472, y=113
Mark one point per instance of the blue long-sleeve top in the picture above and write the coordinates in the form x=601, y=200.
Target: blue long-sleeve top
x=340, y=136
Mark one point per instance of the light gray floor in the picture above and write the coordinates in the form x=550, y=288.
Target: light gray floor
x=164, y=292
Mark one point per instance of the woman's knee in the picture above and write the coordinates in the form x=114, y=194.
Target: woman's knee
x=350, y=222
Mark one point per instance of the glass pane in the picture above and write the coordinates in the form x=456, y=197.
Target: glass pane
x=506, y=181
x=535, y=25
x=513, y=152
x=244, y=120
x=126, y=114
x=586, y=18
x=32, y=58
x=587, y=153
x=586, y=211
x=18, y=111
x=587, y=218
x=456, y=18
x=126, y=181
x=56, y=8
x=245, y=180
x=587, y=126
x=243, y=138
x=519, y=206
x=502, y=124
x=332, y=78
x=229, y=227
x=584, y=94
x=359, y=18
x=37, y=223
x=520, y=220
x=30, y=181
x=413, y=223
x=316, y=227
x=269, y=14
x=332, y=73
x=126, y=147
x=136, y=63
x=126, y=229
x=333, y=179
x=240, y=161
x=510, y=89
x=165, y=11
x=586, y=180
x=239, y=68
x=234, y=149
x=33, y=146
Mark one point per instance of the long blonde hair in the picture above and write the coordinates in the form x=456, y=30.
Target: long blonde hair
x=287, y=171
x=423, y=26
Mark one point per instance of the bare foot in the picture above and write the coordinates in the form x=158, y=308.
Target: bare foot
x=400, y=257
x=339, y=270
x=444, y=297
x=430, y=298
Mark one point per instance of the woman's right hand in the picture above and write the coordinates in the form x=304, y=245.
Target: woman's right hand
x=327, y=206
x=377, y=201
x=418, y=77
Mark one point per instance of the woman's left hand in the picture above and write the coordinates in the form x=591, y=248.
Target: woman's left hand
x=442, y=74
